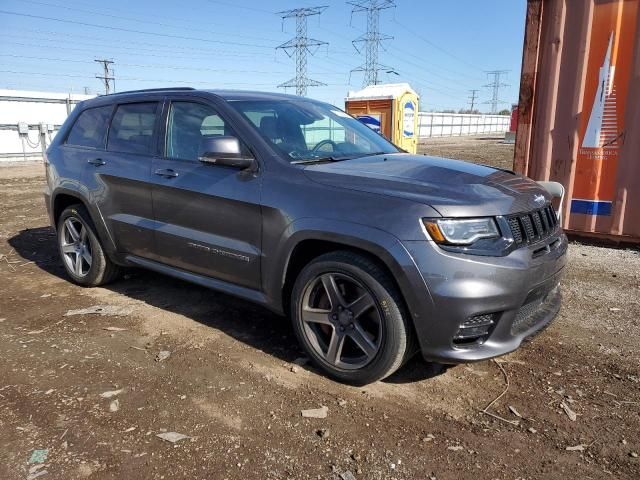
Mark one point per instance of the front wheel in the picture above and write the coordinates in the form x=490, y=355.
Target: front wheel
x=348, y=316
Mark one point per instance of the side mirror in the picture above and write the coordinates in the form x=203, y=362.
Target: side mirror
x=223, y=150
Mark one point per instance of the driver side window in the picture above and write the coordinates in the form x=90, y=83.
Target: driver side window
x=188, y=124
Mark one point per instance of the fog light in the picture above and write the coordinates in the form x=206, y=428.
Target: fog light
x=475, y=328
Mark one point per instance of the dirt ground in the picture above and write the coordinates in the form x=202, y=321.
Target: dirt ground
x=231, y=384
x=486, y=149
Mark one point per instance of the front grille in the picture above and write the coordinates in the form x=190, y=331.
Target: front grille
x=533, y=226
x=516, y=231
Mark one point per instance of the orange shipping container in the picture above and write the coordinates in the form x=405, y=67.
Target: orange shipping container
x=579, y=110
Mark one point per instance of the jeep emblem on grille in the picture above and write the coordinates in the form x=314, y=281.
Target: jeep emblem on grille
x=539, y=200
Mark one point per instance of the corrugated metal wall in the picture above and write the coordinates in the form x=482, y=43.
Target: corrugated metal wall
x=579, y=110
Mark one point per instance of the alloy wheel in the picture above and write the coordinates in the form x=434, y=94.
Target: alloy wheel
x=76, y=247
x=341, y=320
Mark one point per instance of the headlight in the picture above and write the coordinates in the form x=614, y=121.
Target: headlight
x=460, y=232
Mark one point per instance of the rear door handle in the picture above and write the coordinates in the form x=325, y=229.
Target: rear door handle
x=98, y=162
x=167, y=173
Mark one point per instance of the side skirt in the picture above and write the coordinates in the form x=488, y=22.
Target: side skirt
x=208, y=282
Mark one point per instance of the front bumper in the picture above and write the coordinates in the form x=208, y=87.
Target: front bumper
x=519, y=291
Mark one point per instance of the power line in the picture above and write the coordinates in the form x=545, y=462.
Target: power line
x=243, y=7
x=139, y=20
x=495, y=87
x=170, y=67
x=423, y=69
x=138, y=51
x=472, y=99
x=398, y=53
x=130, y=30
x=155, y=80
x=107, y=75
x=436, y=46
x=412, y=77
x=113, y=49
x=429, y=86
x=147, y=13
x=372, y=38
x=299, y=46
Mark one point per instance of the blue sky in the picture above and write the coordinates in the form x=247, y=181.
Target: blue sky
x=442, y=48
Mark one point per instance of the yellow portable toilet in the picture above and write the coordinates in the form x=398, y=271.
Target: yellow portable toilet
x=391, y=109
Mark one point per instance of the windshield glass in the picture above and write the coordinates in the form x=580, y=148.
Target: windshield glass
x=306, y=131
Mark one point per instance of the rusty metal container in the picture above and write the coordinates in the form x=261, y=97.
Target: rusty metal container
x=579, y=111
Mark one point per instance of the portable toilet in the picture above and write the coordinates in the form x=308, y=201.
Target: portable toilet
x=391, y=109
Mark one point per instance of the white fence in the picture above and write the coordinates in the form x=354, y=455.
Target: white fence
x=29, y=120
x=458, y=124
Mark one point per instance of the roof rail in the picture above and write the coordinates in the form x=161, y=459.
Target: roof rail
x=164, y=89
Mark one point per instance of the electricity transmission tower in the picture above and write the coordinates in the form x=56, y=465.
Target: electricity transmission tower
x=472, y=99
x=300, y=46
x=372, y=39
x=496, y=85
x=107, y=75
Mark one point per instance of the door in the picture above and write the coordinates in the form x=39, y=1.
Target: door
x=208, y=217
x=118, y=178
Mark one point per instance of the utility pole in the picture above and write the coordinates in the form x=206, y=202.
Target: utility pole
x=107, y=75
x=299, y=47
x=372, y=39
x=496, y=85
x=472, y=99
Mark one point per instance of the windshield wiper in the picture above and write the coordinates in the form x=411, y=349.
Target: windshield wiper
x=373, y=154
x=330, y=158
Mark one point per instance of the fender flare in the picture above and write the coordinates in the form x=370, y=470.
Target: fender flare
x=96, y=216
x=382, y=245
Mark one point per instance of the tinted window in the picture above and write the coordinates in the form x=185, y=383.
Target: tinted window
x=132, y=128
x=90, y=128
x=188, y=124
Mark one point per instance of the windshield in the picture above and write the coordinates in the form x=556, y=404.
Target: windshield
x=304, y=130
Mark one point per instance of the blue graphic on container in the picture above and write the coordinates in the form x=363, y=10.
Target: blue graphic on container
x=591, y=207
x=409, y=119
x=372, y=121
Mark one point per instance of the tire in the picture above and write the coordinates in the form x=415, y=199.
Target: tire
x=95, y=267
x=357, y=342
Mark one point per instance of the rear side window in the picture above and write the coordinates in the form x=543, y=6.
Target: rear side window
x=132, y=128
x=90, y=128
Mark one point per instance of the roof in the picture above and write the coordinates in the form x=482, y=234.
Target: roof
x=223, y=93
x=254, y=95
x=229, y=95
x=383, y=90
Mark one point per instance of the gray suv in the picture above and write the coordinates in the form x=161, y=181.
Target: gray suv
x=293, y=204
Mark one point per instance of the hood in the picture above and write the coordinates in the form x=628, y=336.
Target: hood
x=453, y=187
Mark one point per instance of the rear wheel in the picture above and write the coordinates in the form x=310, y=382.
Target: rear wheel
x=348, y=315
x=82, y=254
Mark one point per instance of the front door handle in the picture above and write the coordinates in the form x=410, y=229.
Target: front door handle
x=97, y=162
x=167, y=173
